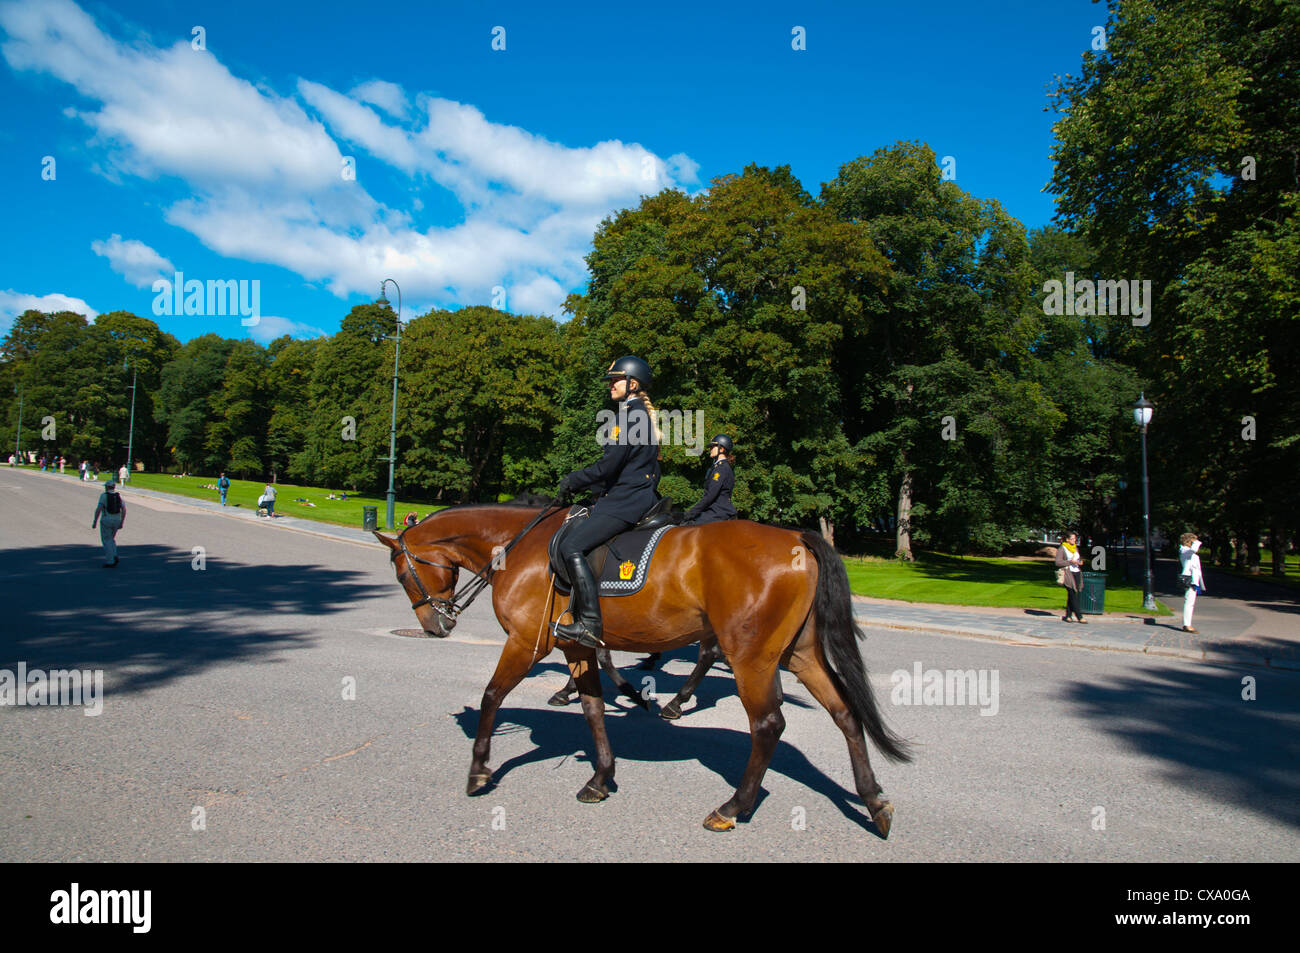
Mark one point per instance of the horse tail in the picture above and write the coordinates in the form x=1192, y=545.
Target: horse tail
x=833, y=613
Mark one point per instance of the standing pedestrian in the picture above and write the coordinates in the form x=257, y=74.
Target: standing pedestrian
x=110, y=514
x=1069, y=566
x=1191, y=578
x=62, y=461
x=123, y=474
x=223, y=484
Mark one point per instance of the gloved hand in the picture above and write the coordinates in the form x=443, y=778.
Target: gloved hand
x=677, y=519
x=565, y=491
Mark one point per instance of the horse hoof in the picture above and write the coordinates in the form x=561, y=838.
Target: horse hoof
x=477, y=782
x=559, y=699
x=672, y=711
x=590, y=794
x=884, y=819
x=718, y=822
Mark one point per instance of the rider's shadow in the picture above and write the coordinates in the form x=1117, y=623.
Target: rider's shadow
x=634, y=737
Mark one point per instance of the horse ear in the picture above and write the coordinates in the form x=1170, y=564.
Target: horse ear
x=388, y=541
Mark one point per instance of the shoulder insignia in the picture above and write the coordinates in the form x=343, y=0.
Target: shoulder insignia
x=614, y=433
x=715, y=475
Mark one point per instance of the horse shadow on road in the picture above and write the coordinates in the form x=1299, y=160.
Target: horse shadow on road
x=157, y=617
x=634, y=736
x=1198, y=724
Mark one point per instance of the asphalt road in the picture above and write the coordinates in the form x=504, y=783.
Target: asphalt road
x=224, y=689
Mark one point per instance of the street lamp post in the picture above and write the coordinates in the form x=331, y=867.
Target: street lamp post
x=392, y=433
x=1123, y=518
x=18, y=436
x=1142, y=412
x=130, y=439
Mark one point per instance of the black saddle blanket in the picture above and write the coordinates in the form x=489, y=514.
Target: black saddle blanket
x=620, y=566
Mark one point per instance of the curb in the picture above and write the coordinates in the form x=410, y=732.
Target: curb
x=1213, y=655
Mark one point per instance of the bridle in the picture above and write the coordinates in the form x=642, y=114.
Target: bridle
x=449, y=609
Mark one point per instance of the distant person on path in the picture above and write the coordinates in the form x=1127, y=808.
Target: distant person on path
x=1070, y=563
x=718, y=483
x=268, y=500
x=1191, y=578
x=110, y=514
x=62, y=462
x=123, y=475
x=223, y=484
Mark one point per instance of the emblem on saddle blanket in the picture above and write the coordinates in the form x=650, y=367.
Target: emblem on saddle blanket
x=622, y=568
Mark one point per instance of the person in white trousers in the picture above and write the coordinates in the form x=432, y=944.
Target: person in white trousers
x=110, y=514
x=1190, y=570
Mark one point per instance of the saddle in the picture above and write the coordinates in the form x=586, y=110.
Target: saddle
x=626, y=573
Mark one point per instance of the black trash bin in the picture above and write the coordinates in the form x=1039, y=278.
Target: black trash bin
x=1092, y=599
x=370, y=518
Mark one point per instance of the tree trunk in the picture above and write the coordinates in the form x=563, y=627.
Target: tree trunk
x=828, y=530
x=903, y=543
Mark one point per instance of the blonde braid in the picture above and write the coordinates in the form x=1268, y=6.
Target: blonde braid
x=654, y=415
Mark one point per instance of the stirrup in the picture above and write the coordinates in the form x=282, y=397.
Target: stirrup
x=583, y=635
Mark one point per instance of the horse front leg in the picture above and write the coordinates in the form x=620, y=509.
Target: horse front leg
x=583, y=667
x=516, y=661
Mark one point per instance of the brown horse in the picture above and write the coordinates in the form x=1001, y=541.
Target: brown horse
x=770, y=596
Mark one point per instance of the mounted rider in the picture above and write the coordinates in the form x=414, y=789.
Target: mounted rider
x=627, y=479
x=718, y=483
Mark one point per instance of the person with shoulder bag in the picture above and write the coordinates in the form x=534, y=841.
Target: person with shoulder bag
x=1069, y=573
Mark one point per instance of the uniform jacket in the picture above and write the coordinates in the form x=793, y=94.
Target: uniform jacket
x=626, y=476
x=716, y=502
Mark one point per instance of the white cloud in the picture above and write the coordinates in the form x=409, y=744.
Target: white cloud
x=134, y=260
x=14, y=303
x=387, y=96
x=269, y=327
x=265, y=175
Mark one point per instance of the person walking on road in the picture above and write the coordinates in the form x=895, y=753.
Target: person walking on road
x=1069, y=565
x=110, y=514
x=123, y=474
x=1191, y=578
x=223, y=484
x=268, y=500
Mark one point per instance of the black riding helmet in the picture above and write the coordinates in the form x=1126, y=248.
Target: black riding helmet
x=631, y=367
x=723, y=441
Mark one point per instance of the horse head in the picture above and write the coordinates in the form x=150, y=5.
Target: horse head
x=429, y=580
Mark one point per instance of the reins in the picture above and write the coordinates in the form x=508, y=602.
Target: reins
x=460, y=601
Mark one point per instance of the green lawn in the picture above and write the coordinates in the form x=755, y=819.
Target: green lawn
x=244, y=493
x=979, y=581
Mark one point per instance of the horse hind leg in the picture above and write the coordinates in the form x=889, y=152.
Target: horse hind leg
x=806, y=662
x=759, y=694
x=709, y=653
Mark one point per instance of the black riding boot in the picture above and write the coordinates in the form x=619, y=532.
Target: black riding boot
x=586, y=627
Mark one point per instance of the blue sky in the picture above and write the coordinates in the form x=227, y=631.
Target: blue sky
x=475, y=169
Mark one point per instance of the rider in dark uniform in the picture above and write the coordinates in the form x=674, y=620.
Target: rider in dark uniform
x=718, y=484
x=627, y=477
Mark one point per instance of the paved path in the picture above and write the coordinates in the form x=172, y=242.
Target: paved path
x=259, y=708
